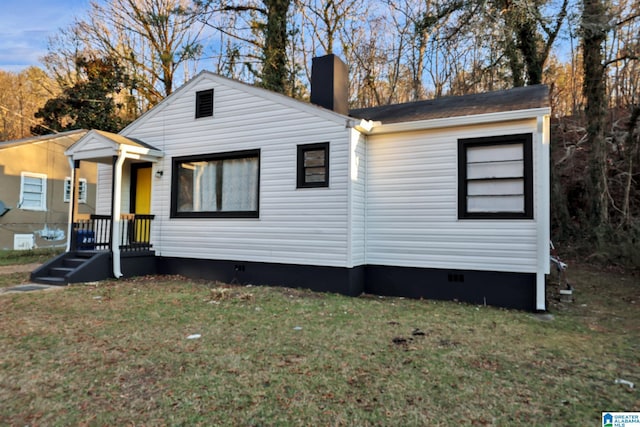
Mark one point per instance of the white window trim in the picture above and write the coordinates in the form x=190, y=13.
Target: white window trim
x=82, y=190
x=43, y=194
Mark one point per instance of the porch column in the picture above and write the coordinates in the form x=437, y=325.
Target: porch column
x=116, y=210
x=73, y=199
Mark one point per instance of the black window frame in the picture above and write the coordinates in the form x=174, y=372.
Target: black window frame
x=208, y=93
x=230, y=155
x=526, y=139
x=301, y=175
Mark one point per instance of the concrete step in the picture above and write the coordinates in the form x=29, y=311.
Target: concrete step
x=49, y=280
x=60, y=271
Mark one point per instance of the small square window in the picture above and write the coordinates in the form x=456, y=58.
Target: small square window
x=82, y=190
x=204, y=103
x=313, y=165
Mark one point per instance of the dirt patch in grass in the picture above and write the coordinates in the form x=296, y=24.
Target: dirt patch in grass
x=18, y=268
x=170, y=351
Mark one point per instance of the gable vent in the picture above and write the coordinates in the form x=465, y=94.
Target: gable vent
x=204, y=103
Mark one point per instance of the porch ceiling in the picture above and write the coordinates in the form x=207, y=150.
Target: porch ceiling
x=101, y=147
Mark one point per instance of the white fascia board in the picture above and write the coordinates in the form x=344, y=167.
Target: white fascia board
x=97, y=153
x=460, y=121
x=133, y=151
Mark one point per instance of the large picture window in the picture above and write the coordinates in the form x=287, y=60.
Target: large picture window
x=216, y=185
x=495, y=177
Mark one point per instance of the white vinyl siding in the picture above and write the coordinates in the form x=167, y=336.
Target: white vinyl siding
x=33, y=191
x=294, y=227
x=82, y=190
x=412, y=206
x=103, y=189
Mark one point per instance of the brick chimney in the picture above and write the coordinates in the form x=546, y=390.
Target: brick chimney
x=330, y=83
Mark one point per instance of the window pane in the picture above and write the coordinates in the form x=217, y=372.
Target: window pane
x=82, y=191
x=67, y=189
x=313, y=158
x=314, y=174
x=495, y=153
x=185, y=187
x=496, y=187
x=504, y=169
x=513, y=204
x=205, y=179
x=240, y=184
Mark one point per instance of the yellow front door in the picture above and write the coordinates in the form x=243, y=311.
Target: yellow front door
x=142, y=202
x=143, y=190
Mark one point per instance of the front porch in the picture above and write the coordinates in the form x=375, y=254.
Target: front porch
x=117, y=244
x=90, y=256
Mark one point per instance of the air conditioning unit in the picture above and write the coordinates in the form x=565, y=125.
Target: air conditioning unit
x=24, y=242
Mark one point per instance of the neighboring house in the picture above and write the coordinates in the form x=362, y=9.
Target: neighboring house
x=35, y=190
x=445, y=199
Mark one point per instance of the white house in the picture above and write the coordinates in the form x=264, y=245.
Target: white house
x=445, y=199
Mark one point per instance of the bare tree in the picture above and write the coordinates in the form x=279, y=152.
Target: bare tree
x=151, y=39
x=21, y=95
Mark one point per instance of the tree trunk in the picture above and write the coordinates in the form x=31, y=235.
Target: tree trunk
x=274, y=68
x=593, y=26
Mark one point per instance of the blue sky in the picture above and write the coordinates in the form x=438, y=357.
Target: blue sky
x=25, y=26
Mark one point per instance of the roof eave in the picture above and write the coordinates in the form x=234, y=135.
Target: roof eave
x=444, y=122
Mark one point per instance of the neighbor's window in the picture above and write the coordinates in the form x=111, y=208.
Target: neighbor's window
x=216, y=185
x=495, y=177
x=204, y=103
x=313, y=165
x=82, y=190
x=33, y=191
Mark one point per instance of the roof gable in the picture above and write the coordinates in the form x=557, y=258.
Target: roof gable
x=102, y=146
x=240, y=86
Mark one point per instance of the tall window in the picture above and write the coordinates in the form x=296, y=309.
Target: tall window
x=82, y=190
x=33, y=191
x=204, y=103
x=216, y=185
x=495, y=177
x=313, y=165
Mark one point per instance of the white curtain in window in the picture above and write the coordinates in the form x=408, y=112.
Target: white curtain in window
x=204, y=186
x=240, y=185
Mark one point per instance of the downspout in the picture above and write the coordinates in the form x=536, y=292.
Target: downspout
x=116, y=202
x=72, y=202
x=543, y=209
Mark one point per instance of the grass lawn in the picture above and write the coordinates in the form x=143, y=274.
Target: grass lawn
x=25, y=257
x=119, y=353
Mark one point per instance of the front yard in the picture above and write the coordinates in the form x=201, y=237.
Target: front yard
x=170, y=351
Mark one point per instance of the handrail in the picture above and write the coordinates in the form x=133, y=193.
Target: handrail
x=95, y=233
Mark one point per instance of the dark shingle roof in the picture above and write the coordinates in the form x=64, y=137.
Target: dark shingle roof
x=520, y=98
